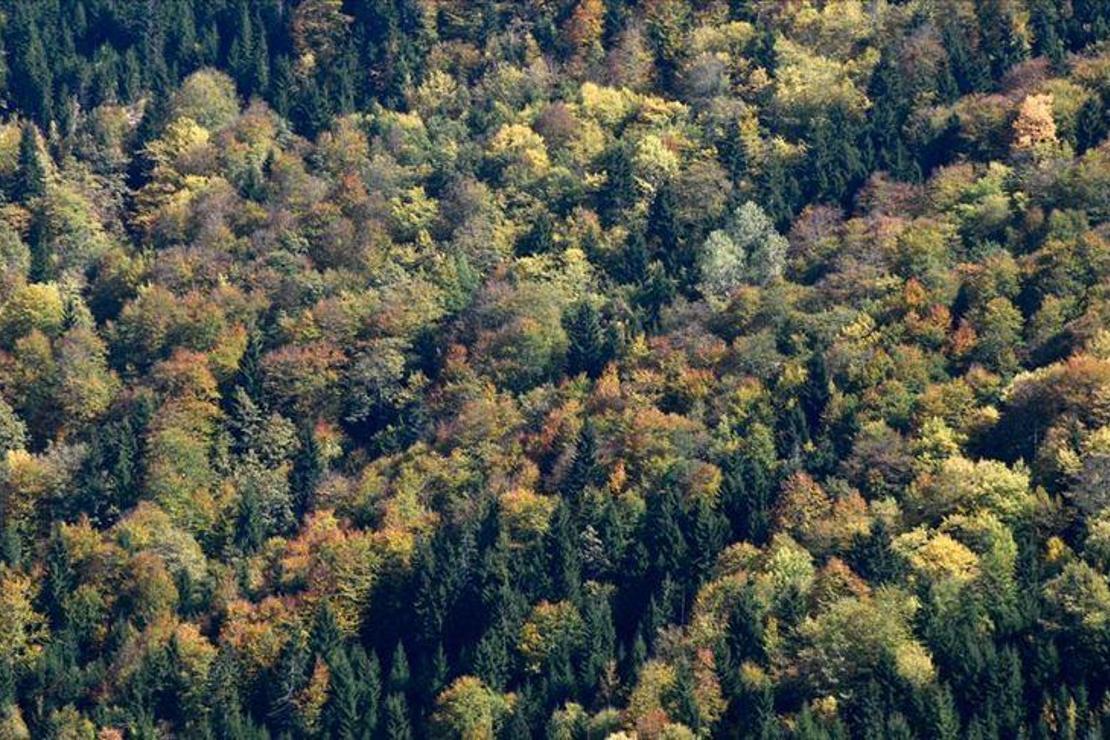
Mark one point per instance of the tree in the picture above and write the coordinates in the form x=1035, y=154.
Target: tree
x=1045, y=23
x=31, y=175
x=397, y=724
x=747, y=250
x=587, y=345
x=664, y=232
x=399, y=674
x=31, y=80
x=468, y=709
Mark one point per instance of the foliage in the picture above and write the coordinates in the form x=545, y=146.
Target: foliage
x=567, y=368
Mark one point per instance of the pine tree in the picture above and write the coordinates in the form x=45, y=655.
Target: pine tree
x=635, y=258
x=307, y=470
x=562, y=554
x=664, y=232
x=1045, y=23
x=683, y=700
x=60, y=579
x=657, y=292
x=240, y=56
x=970, y=69
x=601, y=641
x=540, y=239
x=399, y=674
x=587, y=350
x=664, y=534
x=766, y=720
x=342, y=713
x=619, y=193
x=709, y=532
x=944, y=719
x=746, y=499
x=283, y=91
x=368, y=673
x=584, y=470
x=30, y=182
x=31, y=82
x=1000, y=42
x=1008, y=692
x=326, y=637
x=731, y=152
x=290, y=676
x=1091, y=124
x=397, y=723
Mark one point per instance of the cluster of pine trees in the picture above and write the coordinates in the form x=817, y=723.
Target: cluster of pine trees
x=554, y=368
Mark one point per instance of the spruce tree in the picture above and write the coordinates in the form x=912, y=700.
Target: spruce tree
x=587, y=350
x=368, y=673
x=943, y=717
x=709, y=532
x=30, y=182
x=343, y=711
x=398, y=726
x=399, y=674
x=665, y=234
x=564, y=566
x=307, y=470
x=326, y=637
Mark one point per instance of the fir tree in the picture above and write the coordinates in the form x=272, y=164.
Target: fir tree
x=562, y=553
x=587, y=350
x=343, y=713
x=397, y=723
x=30, y=182
x=943, y=717
x=399, y=674
x=307, y=470
x=664, y=232
x=709, y=532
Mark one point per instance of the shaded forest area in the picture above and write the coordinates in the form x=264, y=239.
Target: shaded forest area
x=556, y=368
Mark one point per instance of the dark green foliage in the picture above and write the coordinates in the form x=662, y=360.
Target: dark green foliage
x=31, y=173
x=397, y=723
x=588, y=349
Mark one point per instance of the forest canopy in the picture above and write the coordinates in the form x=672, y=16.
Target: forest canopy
x=554, y=368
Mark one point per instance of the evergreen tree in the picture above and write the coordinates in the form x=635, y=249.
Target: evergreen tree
x=30, y=180
x=307, y=470
x=1045, y=23
x=619, y=193
x=343, y=713
x=399, y=674
x=664, y=232
x=397, y=723
x=562, y=553
x=943, y=717
x=665, y=538
x=326, y=638
x=60, y=580
x=683, y=698
x=969, y=69
x=31, y=82
x=368, y=673
x=708, y=534
x=1001, y=44
x=657, y=291
x=587, y=350
x=635, y=258
x=1091, y=124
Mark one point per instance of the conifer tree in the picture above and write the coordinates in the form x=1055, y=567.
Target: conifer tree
x=398, y=726
x=587, y=350
x=31, y=174
x=399, y=674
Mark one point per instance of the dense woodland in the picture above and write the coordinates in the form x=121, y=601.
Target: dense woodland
x=554, y=368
